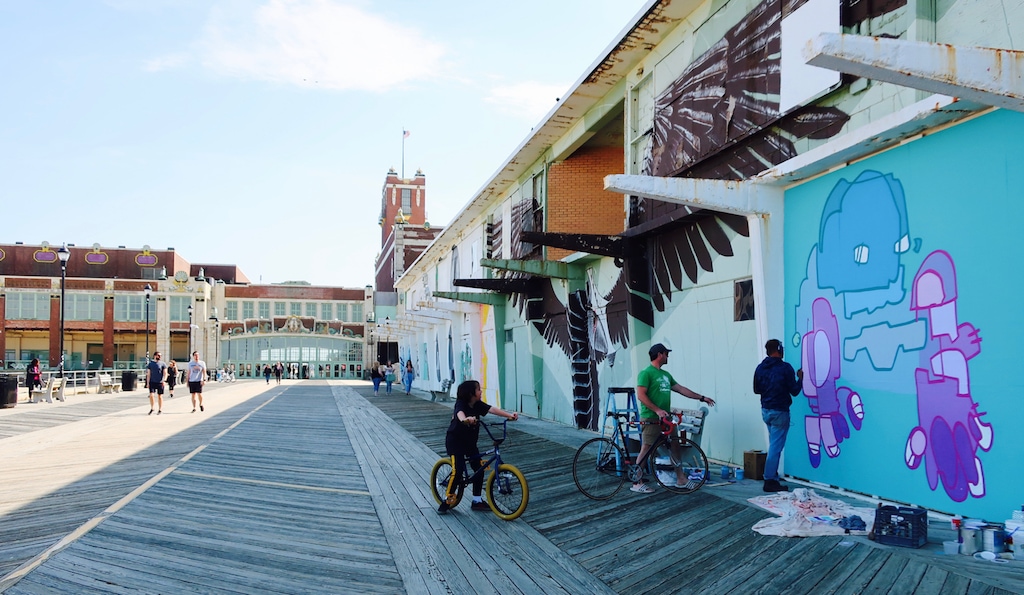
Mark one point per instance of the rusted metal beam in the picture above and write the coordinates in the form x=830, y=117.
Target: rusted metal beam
x=985, y=75
x=542, y=268
x=602, y=245
x=491, y=299
x=505, y=286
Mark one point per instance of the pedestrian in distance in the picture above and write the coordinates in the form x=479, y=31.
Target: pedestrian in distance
x=33, y=375
x=389, y=376
x=462, y=435
x=376, y=377
x=654, y=392
x=156, y=376
x=266, y=372
x=196, y=380
x=777, y=384
x=408, y=376
x=278, y=371
x=172, y=378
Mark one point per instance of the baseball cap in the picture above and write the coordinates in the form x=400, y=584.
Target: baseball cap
x=656, y=349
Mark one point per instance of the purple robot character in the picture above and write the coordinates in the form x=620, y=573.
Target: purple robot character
x=950, y=429
x=822, y=364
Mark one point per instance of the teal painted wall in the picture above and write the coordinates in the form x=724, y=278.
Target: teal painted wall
x=940, y=418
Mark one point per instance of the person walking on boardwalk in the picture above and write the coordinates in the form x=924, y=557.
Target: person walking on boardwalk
x=389, y=376
x=376, y=377
x=33, y=375
x=654, y=391
x=196, y=380
x=266, y=372
x=156, y=375
x=172, y=378
x=777, y=384
x=278, y=371
x=463, y=431
x=407, y=377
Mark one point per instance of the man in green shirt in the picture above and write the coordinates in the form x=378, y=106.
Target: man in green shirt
x=654, y=391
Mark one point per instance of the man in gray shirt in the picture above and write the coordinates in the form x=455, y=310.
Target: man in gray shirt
x=196, y=379
x=156, y=375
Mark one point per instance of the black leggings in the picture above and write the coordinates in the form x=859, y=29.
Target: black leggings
x=475, y=463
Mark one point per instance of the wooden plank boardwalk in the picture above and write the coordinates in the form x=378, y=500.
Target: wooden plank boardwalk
x=317, y=487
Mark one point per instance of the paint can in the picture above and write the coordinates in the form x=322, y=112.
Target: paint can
x=993, y=539
x=969, y=537
x=739, y=473
x=725, y=472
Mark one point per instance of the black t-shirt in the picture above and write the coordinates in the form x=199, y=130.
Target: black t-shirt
x=461, y=438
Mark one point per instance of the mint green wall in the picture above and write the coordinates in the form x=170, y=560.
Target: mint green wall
x=964, y=197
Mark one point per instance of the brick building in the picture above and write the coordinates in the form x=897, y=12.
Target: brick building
x=112, y=321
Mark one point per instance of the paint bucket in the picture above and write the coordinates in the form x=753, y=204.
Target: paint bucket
x=725, y=472
x=993, y=539
x=969, y=537
x=739, y=473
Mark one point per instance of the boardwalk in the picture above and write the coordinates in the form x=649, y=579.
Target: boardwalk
x=319, y=487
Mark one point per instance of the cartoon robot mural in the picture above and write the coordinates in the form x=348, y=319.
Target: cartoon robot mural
x=856, y=326
x=950, y=430
x=827, y=427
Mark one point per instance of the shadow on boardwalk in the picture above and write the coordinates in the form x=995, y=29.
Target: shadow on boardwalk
x=311, y=487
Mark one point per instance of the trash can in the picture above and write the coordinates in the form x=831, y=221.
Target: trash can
x=8, y=391
x=128, y=380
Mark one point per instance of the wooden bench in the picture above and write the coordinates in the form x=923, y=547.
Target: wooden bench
x=107, y=384
x=48, y=392
x=444, y=393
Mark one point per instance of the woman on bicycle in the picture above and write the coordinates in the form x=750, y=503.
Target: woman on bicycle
x=463, y=431
x=654, y=391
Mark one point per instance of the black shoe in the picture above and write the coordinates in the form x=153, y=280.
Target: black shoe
x=443, y=508
x=150, y=412
x=159, y=412
x=480, y=507
x=201, y=408
x=773, y=485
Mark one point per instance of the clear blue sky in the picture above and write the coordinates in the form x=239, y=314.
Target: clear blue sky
x=259, y=133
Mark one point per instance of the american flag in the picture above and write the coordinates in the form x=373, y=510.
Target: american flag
x=405, y=134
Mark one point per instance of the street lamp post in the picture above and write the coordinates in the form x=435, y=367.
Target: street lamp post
x=190, y=331
x=63, y=254
x=148, y=289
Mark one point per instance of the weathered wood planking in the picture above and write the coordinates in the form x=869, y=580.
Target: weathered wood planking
x=712, y=549
x=324, y=490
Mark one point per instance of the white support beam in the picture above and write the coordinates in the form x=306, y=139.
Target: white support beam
x=985, y=75
x=742, y=198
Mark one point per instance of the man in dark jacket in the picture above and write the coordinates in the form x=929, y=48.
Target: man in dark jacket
x=777, y=384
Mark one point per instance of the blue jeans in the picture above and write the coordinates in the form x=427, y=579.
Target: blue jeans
x=778, y=426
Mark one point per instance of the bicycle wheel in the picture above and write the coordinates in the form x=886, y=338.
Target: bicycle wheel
x=441, y=477
x=683, y=459
x=507, y=492
x=599, y=468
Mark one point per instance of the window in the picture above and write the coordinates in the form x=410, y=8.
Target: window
x=406, y=201
x=132, y=308
x=296, y=308
x=179, y=308
x=326, y=311
x=231, y=310
x=28, y=306
x=311, y=309
x=83, y=306
x=264, y=310
x=343, y=312
x=357, y=313
x=247, y=310
x=743, y=300
x=279, y=308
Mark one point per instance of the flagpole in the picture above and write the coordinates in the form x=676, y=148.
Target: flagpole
x=403, y=153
